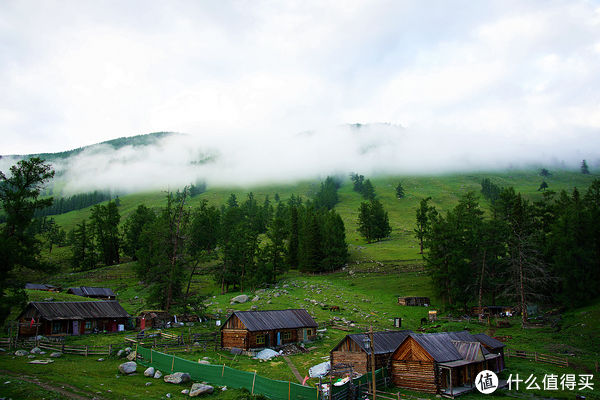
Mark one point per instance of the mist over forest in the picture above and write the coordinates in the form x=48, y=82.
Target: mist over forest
x=168, y=161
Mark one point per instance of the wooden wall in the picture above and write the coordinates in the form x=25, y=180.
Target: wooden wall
x=234, y=338
x=414, y=375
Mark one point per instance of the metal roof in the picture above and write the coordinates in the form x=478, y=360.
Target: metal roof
x=38, y=286
x=61, y=310
x=89, y=291
x=489, y=341
x=438, y=345
x=275, y=319
x=385, y=342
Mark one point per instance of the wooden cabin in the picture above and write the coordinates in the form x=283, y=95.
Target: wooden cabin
x=152, y=319
x=93, y=292
x=494, y=346
x=260, y=329
x=414, y=301
x=60, y=318
x=445, y=363
x=355, y=350
x=41, y=286
x=492, y=311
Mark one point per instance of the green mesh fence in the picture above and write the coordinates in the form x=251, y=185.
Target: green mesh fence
x=225, y=376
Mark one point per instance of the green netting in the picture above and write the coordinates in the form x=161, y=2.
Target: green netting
x=225, y=376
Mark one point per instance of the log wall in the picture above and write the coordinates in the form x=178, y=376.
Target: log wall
x=414, y=375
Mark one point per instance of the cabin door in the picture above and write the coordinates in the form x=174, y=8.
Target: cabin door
x=75, y=327
x=278, y=338
x=305, y=334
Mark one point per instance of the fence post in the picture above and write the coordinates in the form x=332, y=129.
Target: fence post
x=223, y=371
x=253, y=379
x=173, y=363
x=109, y=350
x=596, y=366
x=289, y=390
x=567, y=361
x=535, y=355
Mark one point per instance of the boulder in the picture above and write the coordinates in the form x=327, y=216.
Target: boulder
x=101, y=359
x=256, y=298
x=205, y=362
x=149, y=372
x=148, y=383
x=242, y=298
x=199, y=389
x=157, y=374
x=56, y=354
x=127, y=368
x=185, y=391
x=177, y=378
x=120, y=353
x=21, y=353
x=36, y=350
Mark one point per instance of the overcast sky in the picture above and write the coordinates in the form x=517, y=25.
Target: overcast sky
x=73, y=73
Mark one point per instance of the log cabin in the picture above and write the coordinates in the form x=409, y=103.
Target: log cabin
x=414, y=301
x=355, y=350
x=445, y=363
x=93, y=292
x=260, y=329
x=41, y=286
x=60, y=318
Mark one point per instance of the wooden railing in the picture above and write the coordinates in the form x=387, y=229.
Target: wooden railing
x=561, y=361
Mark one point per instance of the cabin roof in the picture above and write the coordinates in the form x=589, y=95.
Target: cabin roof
x=38, y=286
x=275, y=319
x=88, y=291
x=68, y=310
x=385, y=341
x=489, y=341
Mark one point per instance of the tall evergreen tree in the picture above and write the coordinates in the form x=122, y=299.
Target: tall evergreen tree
x=584, y=168
x=19, y=251
x=373, y=221
x=423, y=221
x=399, y=191
x=84, y=255
x=104, y=220
x=133, y=227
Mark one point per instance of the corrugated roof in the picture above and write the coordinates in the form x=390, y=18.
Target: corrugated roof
x=37, y=286
x=489, y=341
x=385, y=342
x=438, y=345
x=90, y=291
x=57, y=310
x=275, y=319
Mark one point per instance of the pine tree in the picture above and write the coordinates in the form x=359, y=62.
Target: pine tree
x=84, y=256
x=399, y=191
x=584, y=168
x=132, y=229
x=373, y=221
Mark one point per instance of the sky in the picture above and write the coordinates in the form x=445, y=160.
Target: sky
x=459, y=81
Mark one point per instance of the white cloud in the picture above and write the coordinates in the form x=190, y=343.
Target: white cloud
x=256, y=73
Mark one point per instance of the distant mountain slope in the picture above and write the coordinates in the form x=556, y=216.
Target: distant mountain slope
x=138, y=140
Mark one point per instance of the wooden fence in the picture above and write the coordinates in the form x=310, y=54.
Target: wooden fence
x=561, y=361
x=84, y=350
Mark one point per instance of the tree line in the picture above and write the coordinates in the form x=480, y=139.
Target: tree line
x=524, y=252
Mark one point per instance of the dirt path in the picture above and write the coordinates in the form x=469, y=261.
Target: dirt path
x=294, y=369
x=75, y=392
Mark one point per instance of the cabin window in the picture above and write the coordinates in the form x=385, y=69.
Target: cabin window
x=56, y=327
x=88, y=325
x=286, y=335
x=309, y=332
x=260, y=339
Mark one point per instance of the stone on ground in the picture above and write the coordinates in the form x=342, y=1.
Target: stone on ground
x=200, y=389
x=177, y=378
x=127, y=368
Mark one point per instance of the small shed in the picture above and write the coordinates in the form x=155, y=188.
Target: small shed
x=93, y=292
x=445, y=363
x=60, y=318
x=493, y=311
x=353, y=350
x=152, y=319
x=414, y=301
x=259, y=329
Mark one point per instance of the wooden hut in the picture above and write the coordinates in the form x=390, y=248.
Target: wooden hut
x=59, y=318
x=41, y=286
x=353, y=350
x=494, y=346
x=445, y=363
x=152, y=319
x=492, y=311
x=414, y=301
x=259, y=329
x=93, y=292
